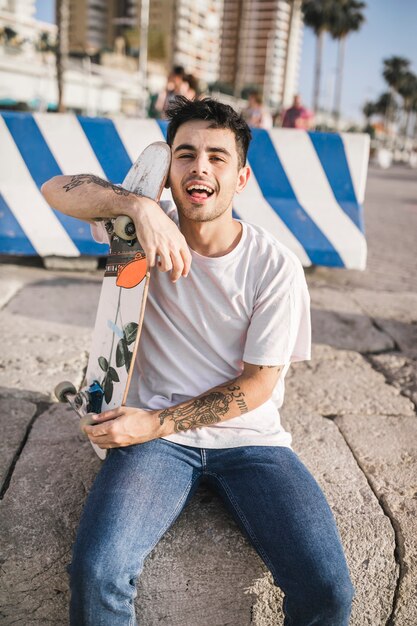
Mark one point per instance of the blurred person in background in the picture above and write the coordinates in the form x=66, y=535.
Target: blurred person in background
x=256, y=114
x=177, y=85
x=193, y=90
x=298, y=116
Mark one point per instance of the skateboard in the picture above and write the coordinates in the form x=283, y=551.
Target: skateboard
x=122, y=301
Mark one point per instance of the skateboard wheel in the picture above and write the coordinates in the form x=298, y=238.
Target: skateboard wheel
x=87, y=420
x=63, y=389
x=124, y=228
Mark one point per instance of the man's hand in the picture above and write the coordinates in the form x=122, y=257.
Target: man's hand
x=160, y=237
x=124, y=426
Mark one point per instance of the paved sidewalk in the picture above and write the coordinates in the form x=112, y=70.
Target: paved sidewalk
x=351, y=410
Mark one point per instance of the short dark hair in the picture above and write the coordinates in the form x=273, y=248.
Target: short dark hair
x=182, y=110
x=178, y=70
x=256, y=95
x=192, y=81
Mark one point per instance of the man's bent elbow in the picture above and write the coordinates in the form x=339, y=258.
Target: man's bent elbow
x=52, y=191
x=47, y=188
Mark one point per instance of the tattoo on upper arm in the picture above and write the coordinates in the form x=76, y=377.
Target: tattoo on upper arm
x=208, y=409
x=81, y=179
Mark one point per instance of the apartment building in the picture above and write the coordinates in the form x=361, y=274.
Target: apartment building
x=19, y=8
x=261, y=47
x=197, y=40
x=161, y=29
x=91, y=25
x=185, y=32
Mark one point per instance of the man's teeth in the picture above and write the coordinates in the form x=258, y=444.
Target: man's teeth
x=199, y=188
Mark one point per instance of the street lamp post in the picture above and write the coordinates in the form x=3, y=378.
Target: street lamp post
x=90, y=105
x=143, y=56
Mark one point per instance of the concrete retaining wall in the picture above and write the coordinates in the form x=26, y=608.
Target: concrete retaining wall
x=307, y=188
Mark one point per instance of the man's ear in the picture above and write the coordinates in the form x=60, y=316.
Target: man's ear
x=243, y=177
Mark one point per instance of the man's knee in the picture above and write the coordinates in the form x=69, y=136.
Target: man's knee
x=327, y=601
x=332, y=600
x=92, y=563
x=86, y=570
x=337, y=595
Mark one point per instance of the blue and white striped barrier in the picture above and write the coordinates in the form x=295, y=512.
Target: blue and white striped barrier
x=307, y=188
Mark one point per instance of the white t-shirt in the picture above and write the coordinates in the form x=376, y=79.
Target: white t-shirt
x=249, y=305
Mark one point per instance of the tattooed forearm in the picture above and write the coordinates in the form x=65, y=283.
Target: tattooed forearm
x=208, y=409
x=271, y=367
x=203, y=411
x=81, y=179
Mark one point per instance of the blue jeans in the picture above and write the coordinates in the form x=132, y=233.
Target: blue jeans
x=139, y=492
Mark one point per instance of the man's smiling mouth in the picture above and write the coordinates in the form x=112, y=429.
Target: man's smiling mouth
x=199, y=190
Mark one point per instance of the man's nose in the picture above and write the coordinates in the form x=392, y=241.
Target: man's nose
x=201, y=164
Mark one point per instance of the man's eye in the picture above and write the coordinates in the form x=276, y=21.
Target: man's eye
x=216, y=158
x=185, y=156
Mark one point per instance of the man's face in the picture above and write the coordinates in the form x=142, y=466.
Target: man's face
x=177, y=80
x=205, y=174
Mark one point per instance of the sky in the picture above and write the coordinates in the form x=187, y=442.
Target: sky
x=45, y=10
x=389, y=30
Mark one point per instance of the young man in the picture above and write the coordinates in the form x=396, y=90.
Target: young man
x=227, y=313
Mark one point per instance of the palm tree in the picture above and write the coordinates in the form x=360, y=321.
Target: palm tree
x=62, y=20
x=347, y=16
x=384, y=105
x=394, y=69
x=413, y=132
x=408, y=91
x=317, y=16
x=393, y=72
x=369, y=109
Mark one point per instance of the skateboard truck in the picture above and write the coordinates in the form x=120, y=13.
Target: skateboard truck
x=95, y=396
x=85, y=403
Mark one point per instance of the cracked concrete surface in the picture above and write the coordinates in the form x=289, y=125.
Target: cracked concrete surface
x=351, y=410
x=20, y=415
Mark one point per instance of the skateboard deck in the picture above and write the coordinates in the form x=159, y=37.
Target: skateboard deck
x=122, y=300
